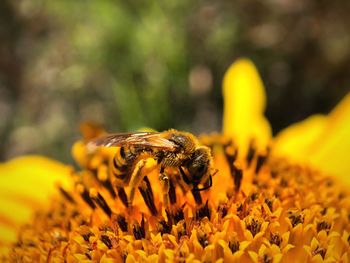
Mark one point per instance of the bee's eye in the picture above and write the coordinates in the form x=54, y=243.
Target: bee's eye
x=201, y=168
x=198, y=165
x=197, y=170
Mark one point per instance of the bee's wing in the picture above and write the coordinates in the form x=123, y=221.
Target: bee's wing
x=138, y=139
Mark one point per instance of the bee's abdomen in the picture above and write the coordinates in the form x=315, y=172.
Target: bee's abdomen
x=122, y=162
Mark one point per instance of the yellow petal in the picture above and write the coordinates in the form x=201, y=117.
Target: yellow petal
x=296, y=140
x=254, y=256
x=25, y=184
x=244, y=105
x=331, y=149
x=321, y=140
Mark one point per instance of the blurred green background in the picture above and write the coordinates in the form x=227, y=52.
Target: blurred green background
x=127, y=64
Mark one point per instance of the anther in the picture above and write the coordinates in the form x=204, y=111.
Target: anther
x=121, y=221
x=202, y=212
x=139, y=230
x=147, y=194
x=164, y=227
x=237, y=176
x=108, y=185
x=84, y=193
x=295, y=218
x=197, y=196
x=323, y=225
x=250, y=154
x=87, y=236
x=233, y=245
x=319, y=250
x=106, y=240
x=179, y=214
x=231, y=153
x=222, y=210
x=66, y=195
x=254, y=226
x=259, y=163
x=203, y=239
x=275, y=239
x=122, y=195
x=172, y=193
x=101, y=202
x=269, y=203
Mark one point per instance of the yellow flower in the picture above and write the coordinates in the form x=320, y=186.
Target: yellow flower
x=320, y=140
x=273, y=199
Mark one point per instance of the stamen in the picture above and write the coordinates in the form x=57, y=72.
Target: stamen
x=203, y=239
x=139, y=230
x=231, y=156
x=66, y=195
x=164, y=227
x=259, y=163
x=222, y=210
x=172, y=192
x=267, y=259
x=233, y=245
x=98, y=198
x=101, y=175
x=319, y=250
x=122, y=195
x=254, y=226
x=105, y=239
x=295, y=218
x=108, y=185
x=121, y=221
x=269, y=203
x=204, y=211
x=181, y=229
x=231, y=152
x=275, y=239
x=87, y=236
x=147, y=194
x=250, y=154
x=237, y=176
x=323, y=225
x=85, y=195
x=197, y=196
x=175, y=216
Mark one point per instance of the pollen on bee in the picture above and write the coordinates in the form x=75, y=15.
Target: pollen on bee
x=149, y=165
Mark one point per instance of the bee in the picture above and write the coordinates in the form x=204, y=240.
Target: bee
x=171, y=149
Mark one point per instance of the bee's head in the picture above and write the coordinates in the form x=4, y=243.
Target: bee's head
x=198, y=168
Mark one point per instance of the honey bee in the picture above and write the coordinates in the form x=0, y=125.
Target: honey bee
x=170, y=149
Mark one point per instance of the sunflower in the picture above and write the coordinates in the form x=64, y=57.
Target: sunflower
x=281, y=199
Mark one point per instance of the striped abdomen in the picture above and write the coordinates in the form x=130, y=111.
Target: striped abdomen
x=122, y=163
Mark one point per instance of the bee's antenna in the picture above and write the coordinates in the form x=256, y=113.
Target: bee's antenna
x=206, y=187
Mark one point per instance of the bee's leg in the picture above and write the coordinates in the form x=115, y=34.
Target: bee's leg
x=135, y=179
x=164, y=180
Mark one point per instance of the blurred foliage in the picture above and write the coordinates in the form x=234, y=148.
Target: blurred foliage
x=127, y=64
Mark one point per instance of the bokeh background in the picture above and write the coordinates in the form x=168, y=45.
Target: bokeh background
x=128, y=64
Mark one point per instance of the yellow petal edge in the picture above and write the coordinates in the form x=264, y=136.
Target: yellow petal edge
x=25, y=184
x=323, y=141
x=244, y=105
